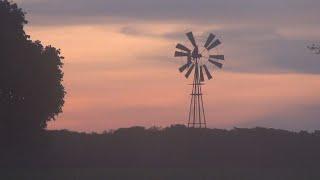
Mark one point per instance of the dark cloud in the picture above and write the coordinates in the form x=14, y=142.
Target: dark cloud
x=250, y=28
x=201, y=11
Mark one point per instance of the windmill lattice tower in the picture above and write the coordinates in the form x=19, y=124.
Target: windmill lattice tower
x=195, y=63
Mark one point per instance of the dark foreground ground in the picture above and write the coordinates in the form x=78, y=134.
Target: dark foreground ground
x=160, y=174
x=170, y=153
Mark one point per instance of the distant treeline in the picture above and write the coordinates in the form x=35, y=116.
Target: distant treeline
x=176, y=146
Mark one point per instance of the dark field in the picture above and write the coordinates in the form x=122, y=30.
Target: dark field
x=170, y=153
x=162, y=173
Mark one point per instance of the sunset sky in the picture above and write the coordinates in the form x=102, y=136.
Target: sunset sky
x=120, y=70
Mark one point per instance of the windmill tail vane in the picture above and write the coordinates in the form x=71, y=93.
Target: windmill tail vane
x=198, y=61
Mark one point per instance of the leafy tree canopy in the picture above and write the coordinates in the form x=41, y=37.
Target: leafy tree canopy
x=31, y=90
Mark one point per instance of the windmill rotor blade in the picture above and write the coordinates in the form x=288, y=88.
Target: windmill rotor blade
x=189, y=71
x=184, y=67
x=191, y=38
x=219, y=65
x=180, y=54
x=220, y=57
x=207, y=72
x=214, y=44
x=201, y=74
x=189, y=59
x=182, y=47
x=209, y=40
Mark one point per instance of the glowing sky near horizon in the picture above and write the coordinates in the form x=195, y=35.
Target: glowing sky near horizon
x=120, y=71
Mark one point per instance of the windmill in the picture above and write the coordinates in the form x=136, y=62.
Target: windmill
x=315, y=48
x=198, y=60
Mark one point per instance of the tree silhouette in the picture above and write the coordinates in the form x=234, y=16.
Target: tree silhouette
x=31, y=90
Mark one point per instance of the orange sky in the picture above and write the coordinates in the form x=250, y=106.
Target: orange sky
x=117, y=80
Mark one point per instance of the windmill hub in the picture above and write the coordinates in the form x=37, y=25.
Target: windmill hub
x=196, y=113
x=195, y=54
